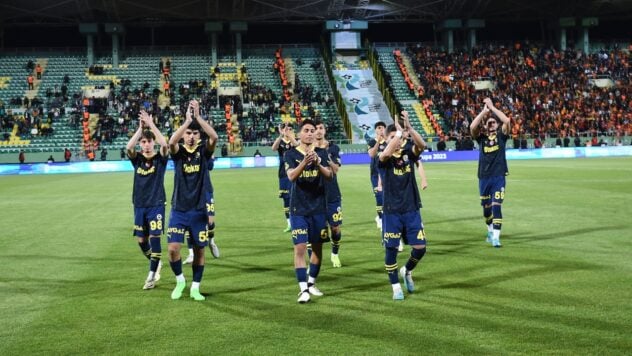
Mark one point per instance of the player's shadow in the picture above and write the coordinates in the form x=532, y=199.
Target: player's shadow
x=526, y=238
x=530, y=272
x=460, y=219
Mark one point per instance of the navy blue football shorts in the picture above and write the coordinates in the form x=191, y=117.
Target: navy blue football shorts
x=284, y=188
x=193, y=221
x=492, y=190
x=149, y=221
x=334, y=213
x=407, y=226
x=312, y=229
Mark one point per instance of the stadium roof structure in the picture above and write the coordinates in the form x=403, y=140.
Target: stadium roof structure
x=139, y=12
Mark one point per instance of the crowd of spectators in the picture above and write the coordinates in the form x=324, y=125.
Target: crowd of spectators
x=546, y=92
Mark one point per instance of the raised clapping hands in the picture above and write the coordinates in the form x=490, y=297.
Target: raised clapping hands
x=489, y=104
x=406, y=120
x=145, y=119
x=396, y=122
x=196, y=108
x=189, y=114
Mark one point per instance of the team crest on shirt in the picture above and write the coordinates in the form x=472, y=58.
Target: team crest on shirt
x=405, y=158
x=492, y=142
x=159, y=217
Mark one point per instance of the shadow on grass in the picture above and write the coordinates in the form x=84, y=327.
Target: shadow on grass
x=524, y=238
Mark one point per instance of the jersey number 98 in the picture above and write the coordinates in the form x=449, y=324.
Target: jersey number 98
x=155, y=225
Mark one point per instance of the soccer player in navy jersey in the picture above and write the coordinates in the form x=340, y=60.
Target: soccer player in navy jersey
x=282, y=144
x=148, y=195
x=401, y=219
x=190, y=192
x=210, y=211
x=375, y=146
x=307, y=168
x=332, y=191
x=492, y=166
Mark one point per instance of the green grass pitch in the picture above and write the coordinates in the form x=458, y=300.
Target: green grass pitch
x=71, y=274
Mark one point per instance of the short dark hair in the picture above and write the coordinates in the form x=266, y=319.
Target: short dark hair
x=379, y=123
x=492, y=117
x=147, y=134
x=391, y=128
x=318, y=122
x=194, y=126
x=307, y=122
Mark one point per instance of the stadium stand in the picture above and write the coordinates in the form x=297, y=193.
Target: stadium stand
x=548, y=93
x=112, y=98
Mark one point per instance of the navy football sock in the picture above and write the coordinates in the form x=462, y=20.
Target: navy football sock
x=286, y=207
x=314, y=270
x=487, y=214
x=390, y=263
x=198, y=271
x=415, y=257
x=156, y=253
x=335, y=242
x=144, y=247
x=301, y=274
x=498, y=217
x=176, y=267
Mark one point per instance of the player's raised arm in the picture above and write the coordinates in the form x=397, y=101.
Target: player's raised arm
x=291, y=136
x=175, y=138
x=501, y=115
x=475, y=128
x=417, y=139
x=277, y=142
x=131, y=144
x=373, y=150
x=148, y=121
x=206, y=127
x=393, y=145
